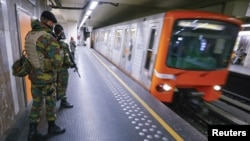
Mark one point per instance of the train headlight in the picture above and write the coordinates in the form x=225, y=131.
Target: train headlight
x=217, y=88
x=163, y=87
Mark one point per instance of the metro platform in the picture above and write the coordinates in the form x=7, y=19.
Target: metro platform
x=110, y=106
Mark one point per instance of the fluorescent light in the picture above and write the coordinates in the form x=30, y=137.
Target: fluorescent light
x=3, y=2
x=93, y=4
x=88, y=12
x=82, y=23
x=83, y=20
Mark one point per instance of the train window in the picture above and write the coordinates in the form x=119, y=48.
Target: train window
x=201, y=44
x=149, y=54
x=102, y=37
x=106, y=37
x=109, y=37
x=118, y=39
x=96, y=36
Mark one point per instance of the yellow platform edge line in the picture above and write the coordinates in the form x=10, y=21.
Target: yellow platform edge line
x=148, y=108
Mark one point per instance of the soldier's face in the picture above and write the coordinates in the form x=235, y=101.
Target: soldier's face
x=51, y=24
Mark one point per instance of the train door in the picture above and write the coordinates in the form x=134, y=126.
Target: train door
x=150, y=53
x=129, y=49
x=127, y=53
x=118, y=44
x=124, y=48
x=109, y=45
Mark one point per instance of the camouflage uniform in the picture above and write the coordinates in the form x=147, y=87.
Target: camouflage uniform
x=63, y=74
x=43, y=80
x=43, y=53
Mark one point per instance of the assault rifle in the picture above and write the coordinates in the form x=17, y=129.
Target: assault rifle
x=72, y=60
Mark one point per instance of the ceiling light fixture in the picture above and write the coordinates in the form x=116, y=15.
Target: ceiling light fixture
x=90, y=9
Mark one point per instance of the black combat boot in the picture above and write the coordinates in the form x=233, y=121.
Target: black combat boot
x=34, y=135
x=66, y=104
x=55, y=129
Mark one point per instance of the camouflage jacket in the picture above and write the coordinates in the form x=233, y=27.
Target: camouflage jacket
x=67, y=59
x=48, y=50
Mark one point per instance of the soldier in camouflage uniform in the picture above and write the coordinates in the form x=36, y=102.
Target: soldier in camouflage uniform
x=63, y=74
x=43, y=53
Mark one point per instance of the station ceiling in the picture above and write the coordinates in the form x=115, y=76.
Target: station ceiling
x=110, y=12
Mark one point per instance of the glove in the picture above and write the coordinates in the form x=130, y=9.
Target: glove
x=73, y=66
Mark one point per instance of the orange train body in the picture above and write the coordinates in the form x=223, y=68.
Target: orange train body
x=181, y=49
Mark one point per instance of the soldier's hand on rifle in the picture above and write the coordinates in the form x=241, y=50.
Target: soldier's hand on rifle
x=73, y=66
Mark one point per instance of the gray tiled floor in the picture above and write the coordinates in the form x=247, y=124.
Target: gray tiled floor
x=104, y=110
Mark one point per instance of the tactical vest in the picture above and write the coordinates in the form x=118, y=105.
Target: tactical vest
x=36, y=58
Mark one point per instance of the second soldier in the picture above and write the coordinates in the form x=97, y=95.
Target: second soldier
x=63, y=74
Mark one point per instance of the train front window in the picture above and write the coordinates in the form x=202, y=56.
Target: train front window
x=201, y=44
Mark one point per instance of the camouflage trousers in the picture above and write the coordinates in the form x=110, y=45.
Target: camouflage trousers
x=41, y=93
x=62, y=83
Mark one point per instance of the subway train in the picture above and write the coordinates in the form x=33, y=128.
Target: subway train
x=177, y=54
